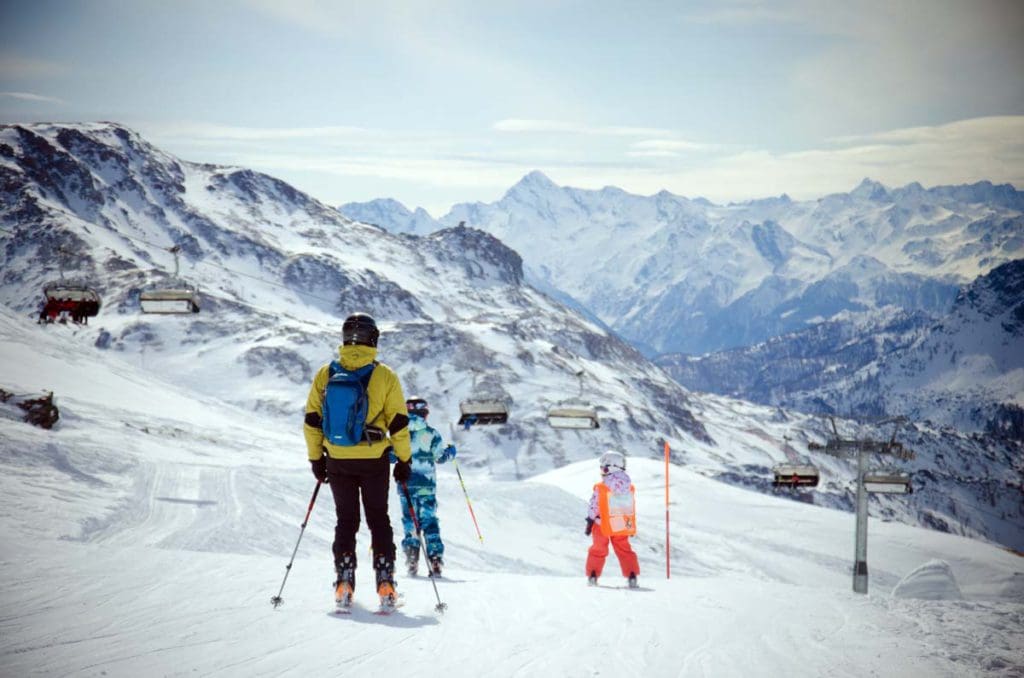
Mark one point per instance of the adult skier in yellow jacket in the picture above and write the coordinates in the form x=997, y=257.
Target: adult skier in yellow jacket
x=360, y=468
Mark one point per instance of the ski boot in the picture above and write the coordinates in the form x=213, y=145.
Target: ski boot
x=435, y=565
x=412, y=561
x=632, y=581
x=385, y=571
x=592, y=579
x=345, y=584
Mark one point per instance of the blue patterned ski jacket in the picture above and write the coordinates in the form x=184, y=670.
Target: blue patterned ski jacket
x=426, y=451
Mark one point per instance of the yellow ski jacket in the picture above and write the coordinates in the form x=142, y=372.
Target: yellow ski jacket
x=386, y=410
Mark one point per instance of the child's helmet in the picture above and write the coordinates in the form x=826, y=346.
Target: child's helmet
x=612, y=461
x=417, y=405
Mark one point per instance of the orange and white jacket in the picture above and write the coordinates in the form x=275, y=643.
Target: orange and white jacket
x=613, y=505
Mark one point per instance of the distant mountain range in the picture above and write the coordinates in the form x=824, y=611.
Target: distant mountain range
x=789, y=303
x=673, y=274
x=277, y=272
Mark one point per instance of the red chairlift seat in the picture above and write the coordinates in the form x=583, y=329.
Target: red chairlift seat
x=74, y=298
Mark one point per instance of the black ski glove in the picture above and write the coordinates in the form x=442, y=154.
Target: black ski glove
x=590, y=527
x=402, y=471
x=319, y=468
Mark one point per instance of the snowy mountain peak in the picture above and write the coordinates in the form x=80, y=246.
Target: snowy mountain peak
x=383, y=205
x=869, y=189
x=391, y=215
x=983, y=192
x=387, y=213
x=535, y=183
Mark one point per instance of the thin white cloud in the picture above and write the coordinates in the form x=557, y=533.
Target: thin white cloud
x=989, y=129
x=418, y=167
x=15, y=67
x=533, y=126
x=671, y=147
x=230, y=133
x=966, y=151
x=313, y=16
x=962, y=152
x=29, y=96
x=652, y=154
x=883, y=62
x=743, y=12
x=334, y=18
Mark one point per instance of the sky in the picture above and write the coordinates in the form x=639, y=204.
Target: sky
x=453, y=101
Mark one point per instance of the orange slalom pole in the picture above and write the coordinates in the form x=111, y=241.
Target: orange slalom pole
x=668, y=538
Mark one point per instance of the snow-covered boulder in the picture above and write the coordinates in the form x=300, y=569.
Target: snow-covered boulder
x=932, y=581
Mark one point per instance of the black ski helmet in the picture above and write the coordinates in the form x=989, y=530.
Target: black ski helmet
x=417, y=405
x=360, y=329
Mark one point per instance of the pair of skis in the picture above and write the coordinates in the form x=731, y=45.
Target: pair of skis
x=345, y=606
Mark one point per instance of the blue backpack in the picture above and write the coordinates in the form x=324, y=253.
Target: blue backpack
x=345, y=404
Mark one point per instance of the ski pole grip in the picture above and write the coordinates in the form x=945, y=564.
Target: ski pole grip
x=316, y=491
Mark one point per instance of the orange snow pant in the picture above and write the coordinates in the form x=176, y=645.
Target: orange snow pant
x=598, y=551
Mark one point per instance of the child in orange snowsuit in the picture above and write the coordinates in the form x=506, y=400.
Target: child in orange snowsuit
x=612, y=518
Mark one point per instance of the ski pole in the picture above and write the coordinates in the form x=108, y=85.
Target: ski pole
x=468, y=502
x=440, y=607
x=277, y=600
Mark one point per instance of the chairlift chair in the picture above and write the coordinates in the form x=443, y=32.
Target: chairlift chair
x=795, y=475
x=574, y=414
x=573, y=418
x=888, y=481
x=170, y=298
x=75, y=298
x=71, y=296
x=482, y=412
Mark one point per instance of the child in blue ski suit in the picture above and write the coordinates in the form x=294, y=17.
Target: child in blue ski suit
x=422, y=484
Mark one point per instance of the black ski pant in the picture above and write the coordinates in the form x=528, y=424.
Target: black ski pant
x=371, y=478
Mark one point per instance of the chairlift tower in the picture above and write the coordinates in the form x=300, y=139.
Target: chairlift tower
x=862, y=449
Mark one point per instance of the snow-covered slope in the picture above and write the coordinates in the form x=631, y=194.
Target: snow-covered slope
x=278, y=271
x=675, y=274
x=967, y=370
x=147, y=532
